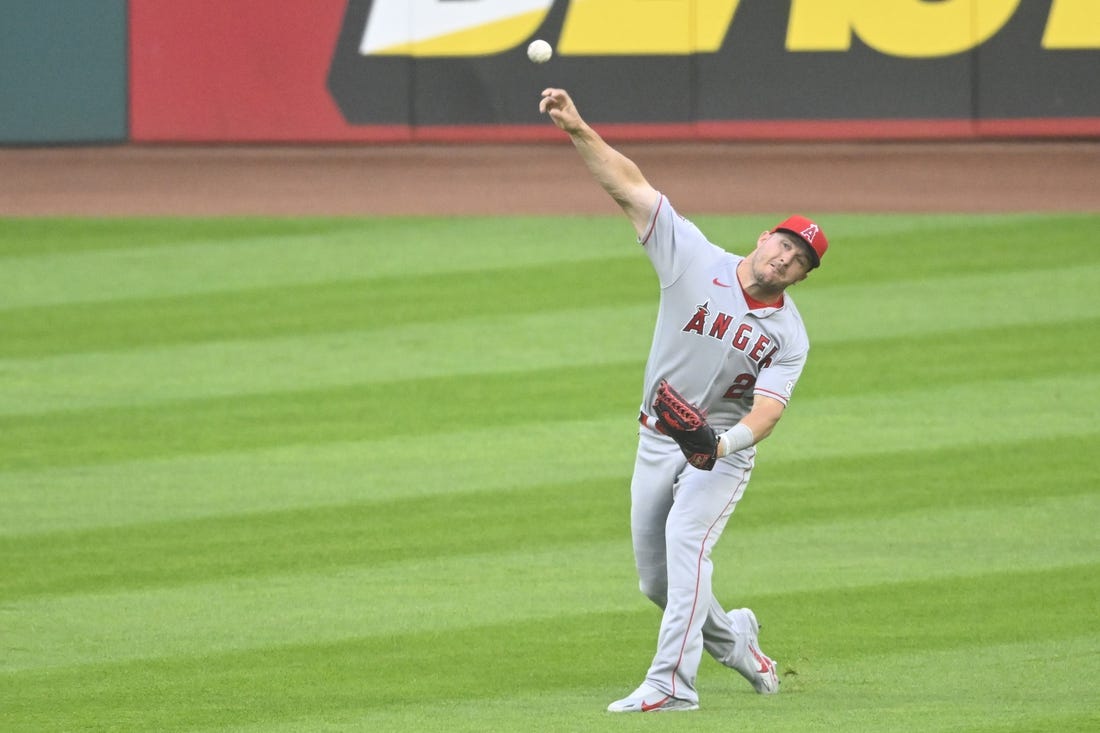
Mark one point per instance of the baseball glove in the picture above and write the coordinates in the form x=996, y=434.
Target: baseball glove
x=687, y=425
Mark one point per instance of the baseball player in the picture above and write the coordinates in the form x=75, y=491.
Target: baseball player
x=727, y=351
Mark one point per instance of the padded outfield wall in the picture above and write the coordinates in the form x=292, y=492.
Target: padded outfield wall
x=63, y=71
x=407, y=70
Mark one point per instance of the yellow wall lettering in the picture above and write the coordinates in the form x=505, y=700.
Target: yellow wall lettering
x=482, y=40
x=1073, y=24
x=645, y=27
x=906, y=28
x=427, y=28
x=902, y=28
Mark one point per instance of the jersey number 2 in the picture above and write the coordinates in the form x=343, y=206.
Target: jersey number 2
x=740, y=387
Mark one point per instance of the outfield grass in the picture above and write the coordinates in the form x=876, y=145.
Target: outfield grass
x=372, y=475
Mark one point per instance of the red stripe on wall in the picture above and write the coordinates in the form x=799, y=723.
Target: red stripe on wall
x=1040, y=127
x=785, y=130
x=199, y=73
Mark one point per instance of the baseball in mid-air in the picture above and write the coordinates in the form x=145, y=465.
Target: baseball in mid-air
x=539, y=51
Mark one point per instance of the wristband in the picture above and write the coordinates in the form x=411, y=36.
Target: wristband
x=739, y=437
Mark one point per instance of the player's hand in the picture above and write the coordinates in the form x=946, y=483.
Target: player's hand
x=559, y=105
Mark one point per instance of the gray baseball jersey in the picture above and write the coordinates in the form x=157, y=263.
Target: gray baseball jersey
x=715, y=346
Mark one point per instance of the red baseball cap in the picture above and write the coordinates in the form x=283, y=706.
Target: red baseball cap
x=808, y=232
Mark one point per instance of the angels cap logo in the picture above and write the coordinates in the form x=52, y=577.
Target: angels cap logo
x=809, y=232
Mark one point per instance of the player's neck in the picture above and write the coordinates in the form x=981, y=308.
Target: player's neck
x=757, y=295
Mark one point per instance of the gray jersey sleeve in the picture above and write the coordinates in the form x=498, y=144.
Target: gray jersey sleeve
x=777, y=380
x=672, y=242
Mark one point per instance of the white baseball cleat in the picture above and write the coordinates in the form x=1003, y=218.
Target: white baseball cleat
x=649, y=700
x=752, y=663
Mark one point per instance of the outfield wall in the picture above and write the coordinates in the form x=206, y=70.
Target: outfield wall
x=445, y=70
x=63, y=71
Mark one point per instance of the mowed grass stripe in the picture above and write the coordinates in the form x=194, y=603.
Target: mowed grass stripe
x=933, y=655
x=962, y=356
x=525, y=341
x=333, y=302
x=965, y=465
x=414, y=408
x=281, y=682
x=366, y=597
x=180, y=552
x=924, y=417
x=52, y=262
x=578, y=711
x=288, y=478
x=986, y=687
x=927, y=305
x=362, y=412
x=790, y=491
x=24, y=239
x=940, y=614
x=384, y=599
x=328, y=307
x=999, y=707
x=296, y=476
x=866, y=311
x=891, y=545
x=784, y=495
x=56, y=261
x=50, y=496
x=458, y=350
x=1029, y=533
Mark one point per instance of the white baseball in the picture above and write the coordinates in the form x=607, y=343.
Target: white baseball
x=539, y=51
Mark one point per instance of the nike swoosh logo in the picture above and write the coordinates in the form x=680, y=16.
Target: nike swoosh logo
x=720, y=284
x=765, y=663
x=646, y=707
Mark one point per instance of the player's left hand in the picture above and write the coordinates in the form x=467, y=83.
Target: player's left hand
x=687, y=425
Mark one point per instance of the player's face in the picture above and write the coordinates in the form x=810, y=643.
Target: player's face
x=780, y=260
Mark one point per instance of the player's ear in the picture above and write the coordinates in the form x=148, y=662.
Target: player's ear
x=763, y=237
